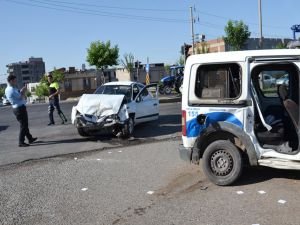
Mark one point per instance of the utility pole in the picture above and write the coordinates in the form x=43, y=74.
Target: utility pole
x=137, y=71
x=192, y=27
x=260, y=25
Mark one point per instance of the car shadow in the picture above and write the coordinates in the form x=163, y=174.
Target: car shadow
x=110, y=139
x=253, y=175
x=2, y=128
x=165, y=125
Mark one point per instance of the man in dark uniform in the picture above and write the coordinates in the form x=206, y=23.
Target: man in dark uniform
x=16, y=98
x=54, y=101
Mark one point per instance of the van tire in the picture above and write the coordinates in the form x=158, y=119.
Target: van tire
x=222, y=162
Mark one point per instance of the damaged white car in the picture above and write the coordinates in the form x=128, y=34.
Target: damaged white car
x=116, y=107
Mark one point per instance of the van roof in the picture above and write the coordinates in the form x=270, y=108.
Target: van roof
x=235, y=56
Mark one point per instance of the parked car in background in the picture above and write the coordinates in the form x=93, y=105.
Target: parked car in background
x=268, y=81
x=5, y=101
x=116, y=107
x=283, y=80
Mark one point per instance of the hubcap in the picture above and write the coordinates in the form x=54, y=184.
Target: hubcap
x=221, y=163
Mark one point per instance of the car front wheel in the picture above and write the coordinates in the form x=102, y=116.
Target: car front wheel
x=82, y=132
x=128, y=128
x=222, y=162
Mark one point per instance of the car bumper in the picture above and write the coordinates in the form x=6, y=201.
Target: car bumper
x=185, y=153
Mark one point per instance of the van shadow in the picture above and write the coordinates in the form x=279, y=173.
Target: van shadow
x=165, y=125
x=253, y=175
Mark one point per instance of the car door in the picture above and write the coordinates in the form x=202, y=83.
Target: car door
x=147, y=104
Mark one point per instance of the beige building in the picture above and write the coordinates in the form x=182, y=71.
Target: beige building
x=218, y=45
x=78, y=82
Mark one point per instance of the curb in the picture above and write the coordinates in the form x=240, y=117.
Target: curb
x=170, y=100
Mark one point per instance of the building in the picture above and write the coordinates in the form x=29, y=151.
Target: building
x=156, y=72
x=30, y=71
x=78, y=82
x=219, y=45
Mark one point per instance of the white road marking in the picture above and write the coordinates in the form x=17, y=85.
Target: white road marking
x=150, y=192
x=109, y=152
x=240, y=192
x=84, y=189
x=75, y=158
x=281, y=201
x=120, y=151
x=261, y=192
x=98, y=159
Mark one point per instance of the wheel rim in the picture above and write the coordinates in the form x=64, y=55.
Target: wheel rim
x=167, y=90
x=221, y=163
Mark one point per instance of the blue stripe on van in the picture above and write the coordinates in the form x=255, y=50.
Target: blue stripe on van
x=193, y=128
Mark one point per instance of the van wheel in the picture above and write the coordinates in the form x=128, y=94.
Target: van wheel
x=222, y=163
x=82, y=132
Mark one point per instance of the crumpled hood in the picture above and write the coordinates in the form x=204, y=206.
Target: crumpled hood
x=99, y=104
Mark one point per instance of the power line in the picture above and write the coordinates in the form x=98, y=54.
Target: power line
x=96, y=13
x=117, y=7
x=65, y=8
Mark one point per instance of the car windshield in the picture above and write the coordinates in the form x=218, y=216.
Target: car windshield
x=115, y=90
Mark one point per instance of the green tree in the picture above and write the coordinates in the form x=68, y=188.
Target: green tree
x=128, y=62
x=42, y=90
x=281, y=45
x=2, y=92
x=167, y=68
x=237, y=34
x=181, y=60
x=102, y=55
x=57, y=76
x=28, y=94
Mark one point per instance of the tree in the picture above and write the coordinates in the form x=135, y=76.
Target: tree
x=128, y=62
x=102, y=55
x=281, y=45
x=167, y=68
x=181, y=60
x=42, y=90
x=57, y=76
x=2, y=92
x=28, y=94
x=237, y=34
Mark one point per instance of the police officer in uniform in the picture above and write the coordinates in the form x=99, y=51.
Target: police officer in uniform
x=54, y=101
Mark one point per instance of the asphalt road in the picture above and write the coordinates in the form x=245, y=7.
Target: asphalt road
x=64, y=139
x=144, y=184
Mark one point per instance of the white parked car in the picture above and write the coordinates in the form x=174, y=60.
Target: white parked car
x=268, y=81
x=116, y=107
x=5, y=101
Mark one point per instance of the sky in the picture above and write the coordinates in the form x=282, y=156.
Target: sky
x=60, y=31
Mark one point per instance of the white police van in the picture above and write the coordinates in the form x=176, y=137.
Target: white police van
x=229, y=118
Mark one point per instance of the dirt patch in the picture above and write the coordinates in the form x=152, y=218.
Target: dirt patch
x=187, y=181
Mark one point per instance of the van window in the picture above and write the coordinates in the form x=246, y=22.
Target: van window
x=218, y=81
x=269, y=80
